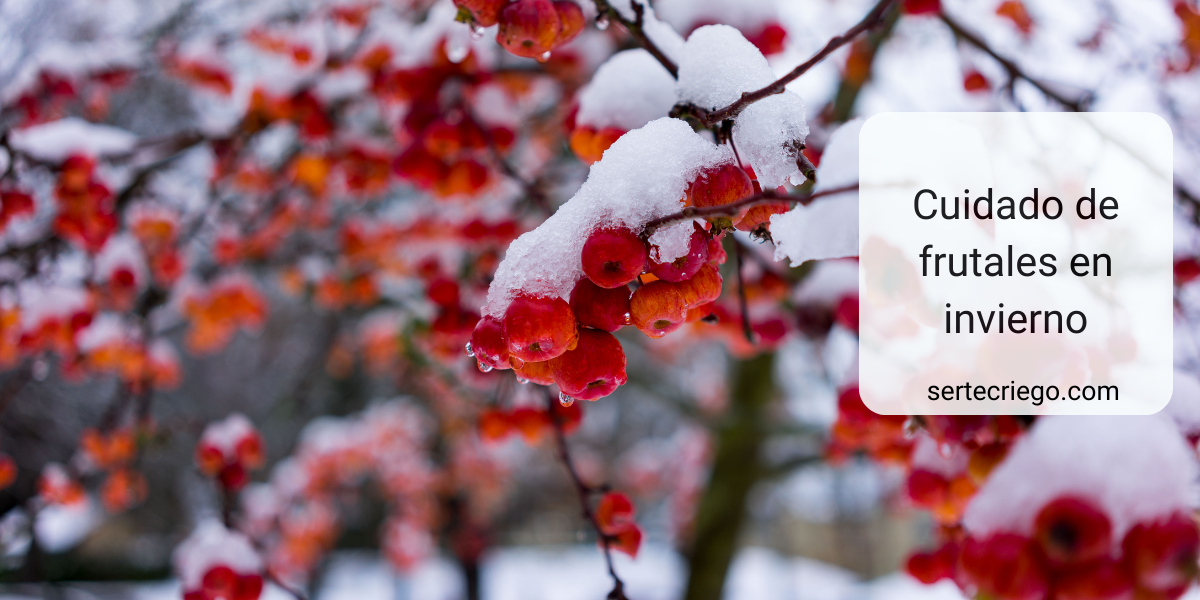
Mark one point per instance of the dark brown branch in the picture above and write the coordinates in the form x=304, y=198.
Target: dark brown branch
x=635, y=29
x=870, y=21
x=733, y=208
x=584, y=491
x=1014, y=70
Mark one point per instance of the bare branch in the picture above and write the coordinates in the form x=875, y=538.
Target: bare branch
x=635, y=29
x=733, y=208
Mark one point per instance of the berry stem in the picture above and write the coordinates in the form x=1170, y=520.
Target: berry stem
x=584, y=491
x=634, y=28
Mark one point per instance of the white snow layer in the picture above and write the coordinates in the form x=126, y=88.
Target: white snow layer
x=1136, y=468
x=56, y=140
x=743, y=14
x=827, y=228
x=211, y=544
x=770, y=134
x=719, y=64
x=629, y=90
x=641, y=177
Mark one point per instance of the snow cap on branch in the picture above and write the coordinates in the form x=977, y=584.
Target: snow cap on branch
x=827, y=228
x=211, y=545
x=642, y=177
x=56, y=140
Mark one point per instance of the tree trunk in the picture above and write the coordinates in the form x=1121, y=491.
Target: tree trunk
x=735, y=470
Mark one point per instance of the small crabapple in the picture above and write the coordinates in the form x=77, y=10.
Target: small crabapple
x=1163, y=553
x=930, y=567
x=485, y=12
x=489, y=344
x=600, y=308
x=719, y=185
x=703, y=287
x=1106, y=579
x=535, y=372
x=1072, y=530
x=529, y=28
x=657, y=308
x=687, y=265
x=594, y=369
x=1006, y=566
x=613, y=257
x=539, y=328
x=571, y=18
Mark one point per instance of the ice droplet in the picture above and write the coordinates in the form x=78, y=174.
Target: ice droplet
x=565, y=400
x=945, y=450
x=477, y=32
x=522, y=380
x=470, y=350
x=602, y=21
x=485, y=368
x=628, y=319
x=457, y=47
x=544, y=57
x=41, y=369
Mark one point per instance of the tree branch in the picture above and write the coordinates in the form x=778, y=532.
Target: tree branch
x=733, y=208
x=635, y=29
x=1015, y=71
x=585, y=491
x=870, y=21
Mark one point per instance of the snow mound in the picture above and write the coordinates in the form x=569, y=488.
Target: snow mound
x=719, y=64
x=641, y=177
x=770, y=134
x=827, y=228
x=629, y=90
x=225, y=434
x=210, y=545
x=1137, y=469
x=743, y=14
x=56, y=140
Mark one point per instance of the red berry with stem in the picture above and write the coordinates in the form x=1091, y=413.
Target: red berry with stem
x=613, y=257
x=600, y=308
x=720, y=185
x=539, y=328
x=703, y=287
x=570, y=18
x=687, y=265
x=529, y=28
x=594, y=369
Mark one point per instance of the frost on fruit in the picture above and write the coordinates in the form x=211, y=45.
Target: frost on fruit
x=642, y=177
x=1136, y=469
x=827, y=228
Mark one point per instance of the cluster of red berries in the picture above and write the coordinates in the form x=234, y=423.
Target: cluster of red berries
x=615, y=518
x=86, y=207
x=529, y=28
x=228, y=450
x=1070, y=556
x=496, y=424
x=223, y=583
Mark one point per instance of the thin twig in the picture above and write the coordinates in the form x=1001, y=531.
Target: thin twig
x=635, y=29
x=749, y=333
x=733, y=208
x=871, y=20
x=584, y=491
x=1015, y=71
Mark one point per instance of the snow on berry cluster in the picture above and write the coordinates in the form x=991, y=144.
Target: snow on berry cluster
x=229, y=449
x=214, y=563
x=1081, y=508
x=629, y=90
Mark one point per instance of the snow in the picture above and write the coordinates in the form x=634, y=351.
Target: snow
x=40, y=303
x=748, y=15
x=1184, y=407
x=770, y=134
x=663, y=35
x=59, y=527
x=629, y=90
x=1137, y=468
x=225, y=434
x=827, y=228
x=718, y=65
x=210, y=545
x=121, y=251
x=56, y=140
x=828, y=282
x=641, y=177
x=106, y=329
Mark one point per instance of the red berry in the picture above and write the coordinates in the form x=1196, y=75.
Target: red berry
x=600, y=308
x=921, y=7
x=657, y=308
x=535, y=372
x=539, y=329
x=719, y=185
x=846, y=312
x=1186, y=269
x=489, y=344
x=930, y=567
x=613, y=257
x=570, y=16
x=1106, y=579
x=687, y=265
x=485, y=12
x=1072, y=530
x=703, y=287
x=594, y=369
x=926, y=488
x=974, y=81
x=1163, y=554
x=1005, y=566
x=529, y=28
